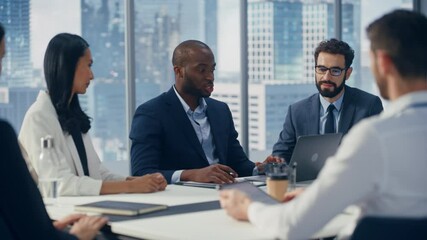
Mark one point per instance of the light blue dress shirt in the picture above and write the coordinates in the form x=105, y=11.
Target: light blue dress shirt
x=324, y=112
x=200, y=123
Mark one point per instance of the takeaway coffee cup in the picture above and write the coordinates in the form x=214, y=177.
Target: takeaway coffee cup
x=277, y=180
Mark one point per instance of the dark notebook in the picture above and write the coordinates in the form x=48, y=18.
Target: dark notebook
x=119, y=208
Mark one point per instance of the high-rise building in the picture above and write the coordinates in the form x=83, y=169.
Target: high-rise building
x=268, y=104
x=210, y=9
x=102, y=27
x=275, y=61
x=161, y=25
x=17, y=69
x=274, y=40
x=16, y=103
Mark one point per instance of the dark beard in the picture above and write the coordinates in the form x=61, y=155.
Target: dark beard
x=327, y=93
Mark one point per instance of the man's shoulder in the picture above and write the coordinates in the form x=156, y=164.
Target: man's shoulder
x=213, y=101
x=4, y=124
x=360, y=93
x=306, y=101
x=154, y=102
x=6, y=129
x=216, y=104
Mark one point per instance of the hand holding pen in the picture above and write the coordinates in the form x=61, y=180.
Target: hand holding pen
x=216, y=173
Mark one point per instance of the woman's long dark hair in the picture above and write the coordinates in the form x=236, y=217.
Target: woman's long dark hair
x=60, y=62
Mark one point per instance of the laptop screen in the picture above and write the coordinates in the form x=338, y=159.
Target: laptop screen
x=311, y=152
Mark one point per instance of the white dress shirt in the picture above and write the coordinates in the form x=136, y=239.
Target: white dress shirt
x=381, y=166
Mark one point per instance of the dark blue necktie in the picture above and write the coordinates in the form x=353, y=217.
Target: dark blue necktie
x=330, y=120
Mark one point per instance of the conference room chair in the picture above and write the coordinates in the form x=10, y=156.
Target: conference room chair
x=390, y=228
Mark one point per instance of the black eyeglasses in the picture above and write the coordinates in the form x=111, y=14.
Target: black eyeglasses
x=335, y=71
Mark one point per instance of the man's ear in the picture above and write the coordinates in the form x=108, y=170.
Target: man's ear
x=178, y=71
x=384, y=62
x=348, y=73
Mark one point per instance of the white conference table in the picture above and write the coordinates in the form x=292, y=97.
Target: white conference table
x=211, y=224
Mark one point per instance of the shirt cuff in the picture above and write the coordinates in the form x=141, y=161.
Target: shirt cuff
x=176, y=176
x=254, y=207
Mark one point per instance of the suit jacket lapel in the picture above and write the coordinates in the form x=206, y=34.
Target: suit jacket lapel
x=313, y=115
x=348, y=110
x=216, y=119
x=183, y=123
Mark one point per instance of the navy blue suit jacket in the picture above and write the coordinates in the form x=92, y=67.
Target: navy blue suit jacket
x=22, y=211
x=163, y=139
x=303, y=118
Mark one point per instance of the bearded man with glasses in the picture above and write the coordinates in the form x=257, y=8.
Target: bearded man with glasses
x=335, y=108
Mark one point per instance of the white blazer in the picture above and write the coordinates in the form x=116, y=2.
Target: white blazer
x=41, y=120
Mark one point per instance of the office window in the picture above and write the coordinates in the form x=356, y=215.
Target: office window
x=30, y=25
x=281, y=36
x=371, y=10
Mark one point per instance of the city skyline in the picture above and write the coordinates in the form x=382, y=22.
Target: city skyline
x=228, y=17
x=70, y=21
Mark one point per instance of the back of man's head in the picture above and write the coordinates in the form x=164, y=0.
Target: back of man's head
x=180, y=54
x=335, y=46
x=402, y=34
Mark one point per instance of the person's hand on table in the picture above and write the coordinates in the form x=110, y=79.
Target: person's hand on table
x=269, y=159
x=291, y=195
x=86, y=227
x=216, y=173
x=235, y=203
x=147, y=183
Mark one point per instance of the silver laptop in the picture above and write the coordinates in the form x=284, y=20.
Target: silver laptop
x=310, y=154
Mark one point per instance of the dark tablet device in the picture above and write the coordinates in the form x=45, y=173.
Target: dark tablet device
x=253, y=192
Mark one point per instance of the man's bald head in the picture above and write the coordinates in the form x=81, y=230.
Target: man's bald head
x=182, y=51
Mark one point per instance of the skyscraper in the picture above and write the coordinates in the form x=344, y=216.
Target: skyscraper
x=274, y=41
x=102, y=27
x=17, y=69
x=161, y=25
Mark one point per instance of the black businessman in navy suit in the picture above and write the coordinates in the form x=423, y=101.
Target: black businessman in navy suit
x=333, y=59
x=184, y=134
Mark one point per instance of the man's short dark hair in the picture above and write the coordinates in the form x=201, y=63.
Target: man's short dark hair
x=180, y=54
x=335, y=46
x=402, y=34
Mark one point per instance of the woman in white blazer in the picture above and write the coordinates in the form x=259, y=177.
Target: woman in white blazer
x=57, y=112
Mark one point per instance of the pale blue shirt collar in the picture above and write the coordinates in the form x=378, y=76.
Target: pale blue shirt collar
x=325, y=104
x=200, y=109
x=405, y=102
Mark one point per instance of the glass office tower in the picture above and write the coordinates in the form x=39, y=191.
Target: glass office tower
x=15, y=16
